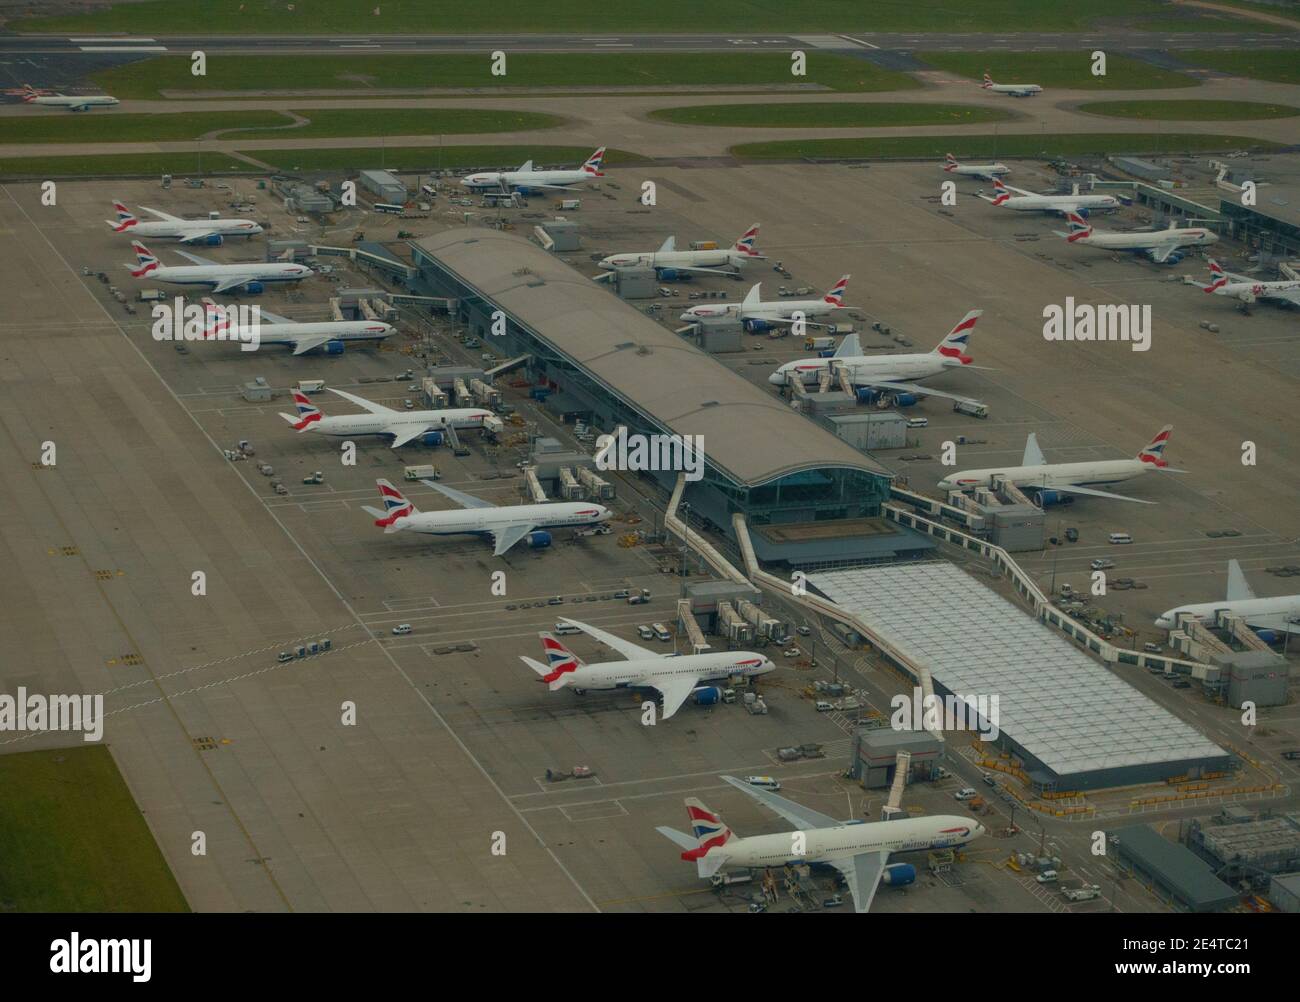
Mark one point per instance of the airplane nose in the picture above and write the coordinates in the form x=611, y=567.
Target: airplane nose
x=777, y=378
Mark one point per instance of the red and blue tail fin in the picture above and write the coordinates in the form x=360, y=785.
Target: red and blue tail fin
x=1218, y=277
x=950, y=162
x=1078, y=227
x=593, y=164
x=395, y=505
x=561, y=662
x=308, y=412
x=836, y=296
x=1154, y=453
x=711, y=834
x=746, y=241
x=1000, y=191
x=988, y=81
x=955, y=344
x=147, y=261
x=125, y=218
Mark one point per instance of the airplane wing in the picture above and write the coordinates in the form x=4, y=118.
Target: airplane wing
x=862, y=873
x=461, y=498
x=629, y=650
x=1161, y=254
x=675, y=689
x=401, y=433
x=669, y=246
x=1238, y=588
x=538, y=184
x=274, y=318
x=373, y=408
x=801, y=817
x=916, y=388
x=1033, y=454
x=1290, y=295
x=681, y=838
x=508, y=536
x=195, y=259
x=228, y=283
x=195, y=237
x=1090, y=492
x=163, y=215
x=303, y=345
x=1018, y=191
x=698, y=271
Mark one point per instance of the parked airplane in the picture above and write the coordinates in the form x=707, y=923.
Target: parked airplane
x=187, y=231
x=1247, y=289
x=1028, y=201
x=759, y=315
x=1015, y=90
x=891, y=374
x=1053, y=481
x=222, y=277
x=667, y=260
x=83, y=103
x=1161, y=246
x=525, y=178
x=1281, y=613
x=986, y=171
x=301, y=336
x=859, y=850
x=506, y=525
x=404, y=426
x=674, y=677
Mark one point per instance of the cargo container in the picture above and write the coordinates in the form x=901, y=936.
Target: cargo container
x=972, y=407
x=422, y=473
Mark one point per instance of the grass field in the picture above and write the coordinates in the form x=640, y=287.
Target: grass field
x=109, y=164
x=1048, y=146
x=147, y=79
x=823, y=115
x=352, y=17
x=324, y=123
x=1072, y=70
x=1277, y=65
x=1190, y=111
x=425, y=157
x=73, y=840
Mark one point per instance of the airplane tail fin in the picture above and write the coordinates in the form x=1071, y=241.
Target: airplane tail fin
x=988, y=81
x=308, y=412
x=745, y=243
x=950, y=162
x=146, y=261
x=395, y=506
x=594, y=162
x=836, y=296
x=711, y=835
x=1154, y=451
x=560, y=662
x=751, y=297
x=1218, y=278
x=1000, y=191
x=1078, y=227
x=125, y=218
x=954, y=345
x=29, y=93
x=216, y=323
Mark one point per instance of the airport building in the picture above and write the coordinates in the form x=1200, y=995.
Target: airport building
x=594, y=357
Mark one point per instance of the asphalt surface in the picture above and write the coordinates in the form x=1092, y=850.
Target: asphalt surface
x=1110, y=39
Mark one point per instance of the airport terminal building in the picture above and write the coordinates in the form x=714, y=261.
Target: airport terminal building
x=601, y=359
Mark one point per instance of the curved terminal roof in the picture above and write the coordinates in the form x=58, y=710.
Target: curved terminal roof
x=747, y=433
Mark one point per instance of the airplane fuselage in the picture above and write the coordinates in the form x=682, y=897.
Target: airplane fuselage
x=166, y=229
x=75, y=103
x=1189, y=237
x=525, y=179
x=1089, y=474
x=674, y=259
x=1059, y=203
x=978, y=170
x=395, y=421
x=865, y=370
x=464, y=521
x=707, y=667
x=215, y=274
x=1250, y=291
x=336, y=330
x=828, y=845
x=1279, y=613
x=779, y=310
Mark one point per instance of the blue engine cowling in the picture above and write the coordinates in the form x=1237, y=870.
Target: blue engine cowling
x=254, y=288
x=539, y=539
x=334, y=347
x=757, y=326
x=905, y=399
x=1268, y=636
x=866, y=395
x=432, y=438
x=708, y=695
x=673, y=275
x=1049, y=498
x=214, y=240
x=1174, y=257
x=899, y=875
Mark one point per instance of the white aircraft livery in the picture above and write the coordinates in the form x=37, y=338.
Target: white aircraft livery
x=1028, y=201
x=525, y=178
x=380, y=420
x=674, y=677
x=1015, y=90
x=890, y=374
x=1161, y=246
x=221, y=277
x=860, y=851
x=505, y=525
x=986, y=172
x=85, y=103
x=187, y=231
x=759, y=314
x=667, y=260
x=1249, y=290
x=302, y=337
x=1281, y=614
x=1053, y=482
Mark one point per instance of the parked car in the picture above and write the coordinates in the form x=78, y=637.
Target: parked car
x=1102, y=564
x=803, y=631
x=402, y=630
x=966, y=793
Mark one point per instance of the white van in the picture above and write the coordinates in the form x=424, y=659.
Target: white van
x=1047, y=877
x=918, y=422
x=564, y=629
x=402, y=630
x=966, y=793
x=661, y=632
x=763, y=782
x=1120, y=537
